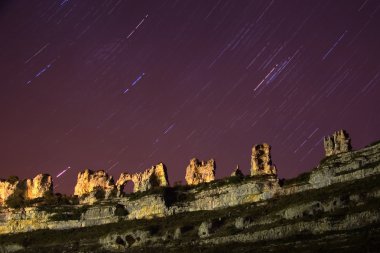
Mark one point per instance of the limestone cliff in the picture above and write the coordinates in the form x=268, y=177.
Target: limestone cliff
x=156, y=176
x=261, y=161
x=200, y=171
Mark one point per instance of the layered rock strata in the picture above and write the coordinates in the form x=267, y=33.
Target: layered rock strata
x=341, y=215
x=344, y=170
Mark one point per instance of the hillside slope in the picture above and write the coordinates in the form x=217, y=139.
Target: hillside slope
x=333, y=208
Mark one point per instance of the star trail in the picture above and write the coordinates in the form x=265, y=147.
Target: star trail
x=123, y=85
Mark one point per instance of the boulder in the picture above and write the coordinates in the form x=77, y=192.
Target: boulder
x=200, y=171
x=204, y=229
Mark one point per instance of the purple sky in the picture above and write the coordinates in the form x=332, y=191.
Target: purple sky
x=122, y=85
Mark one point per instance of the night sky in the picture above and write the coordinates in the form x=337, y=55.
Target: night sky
x=122, y=85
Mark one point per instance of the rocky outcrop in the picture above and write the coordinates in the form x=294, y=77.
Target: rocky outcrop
x=156, y=176
x=94, y=181
x=237, y=172
x=28, y=188
x=200, y=171
x=7, y=188
x=357, y=171
x=337, y=143
x=261, y=162
x=204, y=229
x=38, y=186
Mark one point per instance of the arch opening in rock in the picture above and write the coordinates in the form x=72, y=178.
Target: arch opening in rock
x=127, y=187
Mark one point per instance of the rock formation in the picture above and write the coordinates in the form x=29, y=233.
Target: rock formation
x=337, y=143
x=28, y=188
x=155, y=176
x=38, y=186
x=237, y=172
x=6, y=189
x=200, y=171
x=261, y=162
x=90, y=181
x=204, y=229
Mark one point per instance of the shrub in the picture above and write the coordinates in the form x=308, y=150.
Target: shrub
x=300, y=179
x=120, y=210
x=327, y=159
x=99, y=193
x=65, y=213
x=16, y=200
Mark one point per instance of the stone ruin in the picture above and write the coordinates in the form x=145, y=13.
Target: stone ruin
x=338, y=142
x=155, y=176
x=28, y=188
x=261, y=162
x=200, y=172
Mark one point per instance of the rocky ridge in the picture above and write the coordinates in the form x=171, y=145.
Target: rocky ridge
x=338, y=198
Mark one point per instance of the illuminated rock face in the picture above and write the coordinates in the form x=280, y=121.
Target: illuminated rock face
x=200, y=171
x=38, y=186
x=337, y=143
x=261, y=162
x=6, y=190
x=28, y=188
x=156, y=176
x=90, y=181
